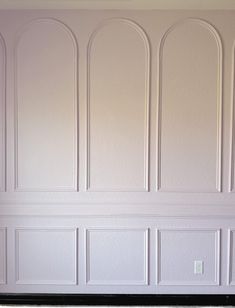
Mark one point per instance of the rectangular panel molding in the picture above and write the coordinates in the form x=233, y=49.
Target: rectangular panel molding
x=46, y=256
x=231, y=260
x=3, y=255
x=116, y=256
x=178, y=250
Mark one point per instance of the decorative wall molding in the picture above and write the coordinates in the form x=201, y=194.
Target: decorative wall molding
x=145, y=40
x=3, y=281
x=217, y=38
x=20, y=33
x=3, y=117
x=20, y=281
x=87, y=247
x=216, y=282
x=230, y=257
x=32, y=215
x=232, y=135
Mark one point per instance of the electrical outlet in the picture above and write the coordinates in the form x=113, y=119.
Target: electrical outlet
x=198, y=267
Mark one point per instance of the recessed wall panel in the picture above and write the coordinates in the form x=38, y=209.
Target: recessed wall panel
x=3, y=258
x=188, y=257
x=2, y=115
x=117, y=257
x=118, y=98
x=189, y=121
x=46, y=107
x=46, y=256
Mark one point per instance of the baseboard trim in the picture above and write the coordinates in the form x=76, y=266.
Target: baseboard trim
x=118, y=299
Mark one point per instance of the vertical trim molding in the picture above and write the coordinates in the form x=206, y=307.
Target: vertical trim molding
x=230, y=281
x=232, y=126
x=3, y=118
x=4, y=248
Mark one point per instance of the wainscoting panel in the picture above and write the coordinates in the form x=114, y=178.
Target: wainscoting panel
x=179, y=252
x=45, y=105
x=46, y=256
x=118, y=107
x=117, y=257
x=116, y=151
x=190, y=87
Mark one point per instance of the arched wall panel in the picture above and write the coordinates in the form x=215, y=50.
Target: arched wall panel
x=46, y=105
x=190, y=108
x=232, y=152
x=118, y=102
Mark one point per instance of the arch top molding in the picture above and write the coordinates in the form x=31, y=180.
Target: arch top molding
x=198, y=21
x=125, y=21
x=25, y=27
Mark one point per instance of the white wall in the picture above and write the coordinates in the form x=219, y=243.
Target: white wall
x=116, y=151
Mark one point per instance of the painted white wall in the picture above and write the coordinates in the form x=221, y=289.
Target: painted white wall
x=116, y=151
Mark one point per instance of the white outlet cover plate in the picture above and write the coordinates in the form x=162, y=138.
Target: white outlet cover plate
x=198, y=267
